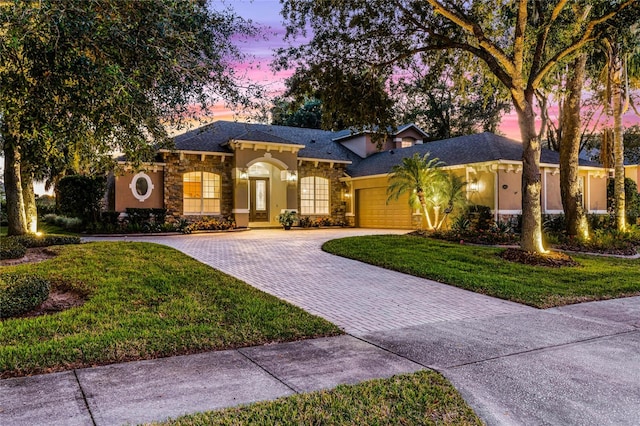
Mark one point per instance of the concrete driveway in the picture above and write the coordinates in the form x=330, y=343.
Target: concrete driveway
x=514, y=364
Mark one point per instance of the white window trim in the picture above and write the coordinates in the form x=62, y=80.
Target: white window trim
x=150, y=186
x=315, y=198
x=202, y=198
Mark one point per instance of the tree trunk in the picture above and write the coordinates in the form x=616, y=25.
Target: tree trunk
x=615, y=79
x=576, y=221
x=29, y=197
x=16, y=218
x=531, y=237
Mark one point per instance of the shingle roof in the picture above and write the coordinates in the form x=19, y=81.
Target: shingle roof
x=477, y=148
x=321, y=144
x=214, y=137
x=347, y=134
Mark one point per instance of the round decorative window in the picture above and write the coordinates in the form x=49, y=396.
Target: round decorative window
x=141, y=186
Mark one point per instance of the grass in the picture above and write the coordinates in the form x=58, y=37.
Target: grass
x=480, y=269
x=47, y=228
x=420, y=398
x=144, y=301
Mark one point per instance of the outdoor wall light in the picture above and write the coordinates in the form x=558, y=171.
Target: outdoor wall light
x=289, y=176
x=243, y=174
x=474, y=186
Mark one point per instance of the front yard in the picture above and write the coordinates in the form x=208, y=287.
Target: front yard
x=480, y=269
x=143, y=301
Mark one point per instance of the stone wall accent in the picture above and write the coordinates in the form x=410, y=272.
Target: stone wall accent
x=175, y=168
x=338, y=206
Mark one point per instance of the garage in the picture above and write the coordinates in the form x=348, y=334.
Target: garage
x=374, y=212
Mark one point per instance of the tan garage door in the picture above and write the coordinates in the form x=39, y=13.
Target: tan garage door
x=374, y=212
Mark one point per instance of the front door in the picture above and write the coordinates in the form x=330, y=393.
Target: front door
x=259, y=205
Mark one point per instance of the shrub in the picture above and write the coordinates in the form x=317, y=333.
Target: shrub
x=210, y=224
x=110, y=217
x=480, y=217
x=31, y=240
x=46, y=204
x=632, y=199
x=10, y=248
x=305, y=222
x=554, y=224
x=21, y=293
x=138, y=216
x=73, y=224
x=81, y=196
x=15, y=247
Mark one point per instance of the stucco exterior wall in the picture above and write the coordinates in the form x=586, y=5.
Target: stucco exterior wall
x=358, y=145
x=173, y=173
x=552, y=193
x=124, y=197
x=509, y=190
x=597, y=200
x=337, y=204
x=485, y=194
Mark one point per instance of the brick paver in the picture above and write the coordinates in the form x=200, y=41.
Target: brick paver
x=357, y=297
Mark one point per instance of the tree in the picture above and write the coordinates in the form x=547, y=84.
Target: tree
x=632, y=144
x=376, y=38
x=308, y=115
x=80, y=77
x=447, y=101
x=619, y=47
x=429, y=188
x=571, y=193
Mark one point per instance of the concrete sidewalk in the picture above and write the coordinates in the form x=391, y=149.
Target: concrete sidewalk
x=144, y=391
x=574, y=365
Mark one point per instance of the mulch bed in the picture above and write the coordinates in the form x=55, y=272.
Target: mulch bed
x=60, y=298
x=58, y=301
x=33, y=255
x=551, y=259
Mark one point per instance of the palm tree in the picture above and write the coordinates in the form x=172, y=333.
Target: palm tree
x=618, y=63
x=428, y=187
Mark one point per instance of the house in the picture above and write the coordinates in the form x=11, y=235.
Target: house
x=255, y=171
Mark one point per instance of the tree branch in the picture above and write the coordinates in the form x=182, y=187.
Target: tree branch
x=576, y=45
x=474, y=29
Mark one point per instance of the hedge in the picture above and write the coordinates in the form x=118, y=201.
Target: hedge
x=10, y=248
x=21, y=293
x=15, y=247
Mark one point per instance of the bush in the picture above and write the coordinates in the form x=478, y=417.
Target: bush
x=73, y=224
x=81, y=196
x=21, y=293
x=632, y=199
x=46, y=204
x=480, y=217
x=15, y=247
x=31, y=240
x=209, y=224
x=10, y=248
x=110, y=217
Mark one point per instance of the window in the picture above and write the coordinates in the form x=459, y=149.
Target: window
x=141, y=186
x=201, y=193
x=314, y=195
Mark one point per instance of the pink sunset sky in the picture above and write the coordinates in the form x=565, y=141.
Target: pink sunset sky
x=266, y=15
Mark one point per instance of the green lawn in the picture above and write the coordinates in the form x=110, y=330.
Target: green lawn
x=423, y=398
x=43, y=227
x=145, y=301
x=480, y=269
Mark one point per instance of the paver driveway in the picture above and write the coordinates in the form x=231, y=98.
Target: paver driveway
x=357, y=297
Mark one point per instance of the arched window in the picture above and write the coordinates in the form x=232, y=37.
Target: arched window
x=314, y=195
x=201, y=193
